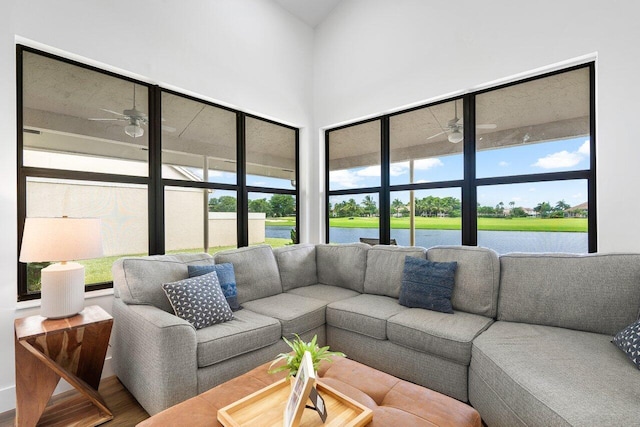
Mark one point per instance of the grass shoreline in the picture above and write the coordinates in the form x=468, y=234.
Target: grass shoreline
x=572, y=225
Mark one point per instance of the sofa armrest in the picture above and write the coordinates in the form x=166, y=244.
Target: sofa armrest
x=154, y=355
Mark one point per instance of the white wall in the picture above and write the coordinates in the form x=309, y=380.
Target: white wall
x=249, y=54
x=374, y=56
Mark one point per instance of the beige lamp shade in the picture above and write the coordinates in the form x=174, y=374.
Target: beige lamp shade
x=61, y=239
x=65, y=240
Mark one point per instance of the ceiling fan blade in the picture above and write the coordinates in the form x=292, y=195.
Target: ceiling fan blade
x=487, y=126
x=168, y=128
x=105, y=120
x=437, y=134
x=112, y=112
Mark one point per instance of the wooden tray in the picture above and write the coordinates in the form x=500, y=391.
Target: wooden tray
x=266, y=408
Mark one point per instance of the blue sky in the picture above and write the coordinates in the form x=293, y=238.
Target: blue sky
x=555, y=156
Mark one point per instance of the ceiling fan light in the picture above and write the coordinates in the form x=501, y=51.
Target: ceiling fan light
x=455, y=136
x=134, y=130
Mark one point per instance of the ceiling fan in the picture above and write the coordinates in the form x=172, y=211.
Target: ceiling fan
x=454, y=127
x=134, y=117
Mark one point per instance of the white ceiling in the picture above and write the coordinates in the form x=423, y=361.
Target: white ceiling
x=311, y=12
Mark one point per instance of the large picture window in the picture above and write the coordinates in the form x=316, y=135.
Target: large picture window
x=511, y=168
x=164, y=171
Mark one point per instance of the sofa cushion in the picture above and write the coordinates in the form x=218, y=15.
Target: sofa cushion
x=384, y=268
x=296, y=313
x=628, y=340
x=256, y=269
x=427, y=284
x=477, y=277
x=553, y=376
x=199, y=300
x=445, y=335
x=594, y=293
x=364, y=314
x=325, y=293
x=226, y=277
x=342, y=265
x=297, y=265
x=138, y=280
x=248, y=331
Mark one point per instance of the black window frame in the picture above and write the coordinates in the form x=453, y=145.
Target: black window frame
x=154, y=182
x=470, y=183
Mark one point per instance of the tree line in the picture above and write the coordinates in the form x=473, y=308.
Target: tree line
x=278, y=205
x=427, y=206
x=432, y=206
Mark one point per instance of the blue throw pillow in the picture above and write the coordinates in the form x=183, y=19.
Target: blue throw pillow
x=628, y=340
x=199, y=300
x=227, y=278
x=427, y=284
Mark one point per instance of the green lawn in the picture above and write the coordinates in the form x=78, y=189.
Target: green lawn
x=493, y=224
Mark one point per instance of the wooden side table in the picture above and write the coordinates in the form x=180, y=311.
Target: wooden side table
x=74, y=349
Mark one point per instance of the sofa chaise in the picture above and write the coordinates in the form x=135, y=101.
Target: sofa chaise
x=528, y=342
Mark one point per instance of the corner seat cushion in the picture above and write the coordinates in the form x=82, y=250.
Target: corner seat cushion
x=445, y=335
x=385, y=266
x=297, y=314
x=554, y=376
x=297, y=265
x=256, y=269
x=139, y=280
x=325, y=293
x=248, y=331
x=342, y=265
x=364, y=314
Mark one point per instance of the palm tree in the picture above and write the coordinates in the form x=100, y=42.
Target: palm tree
x=369, y=205
x=397, y=205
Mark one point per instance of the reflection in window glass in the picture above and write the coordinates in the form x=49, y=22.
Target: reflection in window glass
x=354, y=216
x=198, y=141
x=82, y=120
x=121, y=207
x=271, y=155
x=354, y=156
x=434, y=220
x=426, y=144
x=538, y=126
x=272, y=219
x=534, y=217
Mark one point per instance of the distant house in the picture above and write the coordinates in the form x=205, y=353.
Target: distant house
x=530, y=212
x=578, y=211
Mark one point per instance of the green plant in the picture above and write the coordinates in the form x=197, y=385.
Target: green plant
x=298, y=346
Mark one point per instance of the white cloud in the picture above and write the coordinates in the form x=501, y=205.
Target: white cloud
x=532, y=189
x=422, y=181
x=344, y=178
x=503, y=163
x=584, y=148
x=426, y=164
x=577, y=196
x=369, y=171
x=561, y=159
x=398, y=169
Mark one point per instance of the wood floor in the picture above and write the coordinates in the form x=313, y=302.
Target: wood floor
x=126, y=411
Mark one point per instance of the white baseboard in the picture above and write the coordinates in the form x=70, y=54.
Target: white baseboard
x=8, y=394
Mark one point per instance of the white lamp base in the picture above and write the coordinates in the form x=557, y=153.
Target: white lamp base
x=62, y=292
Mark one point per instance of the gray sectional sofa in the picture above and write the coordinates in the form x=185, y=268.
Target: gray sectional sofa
x=528, y=344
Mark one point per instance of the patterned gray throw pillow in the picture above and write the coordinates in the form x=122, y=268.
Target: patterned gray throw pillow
x=628, y=340
x=199, y=300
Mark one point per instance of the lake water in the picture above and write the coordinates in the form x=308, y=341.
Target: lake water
x=500, y=241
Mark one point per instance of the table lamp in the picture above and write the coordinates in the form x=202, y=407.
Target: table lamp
x=61, y=240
